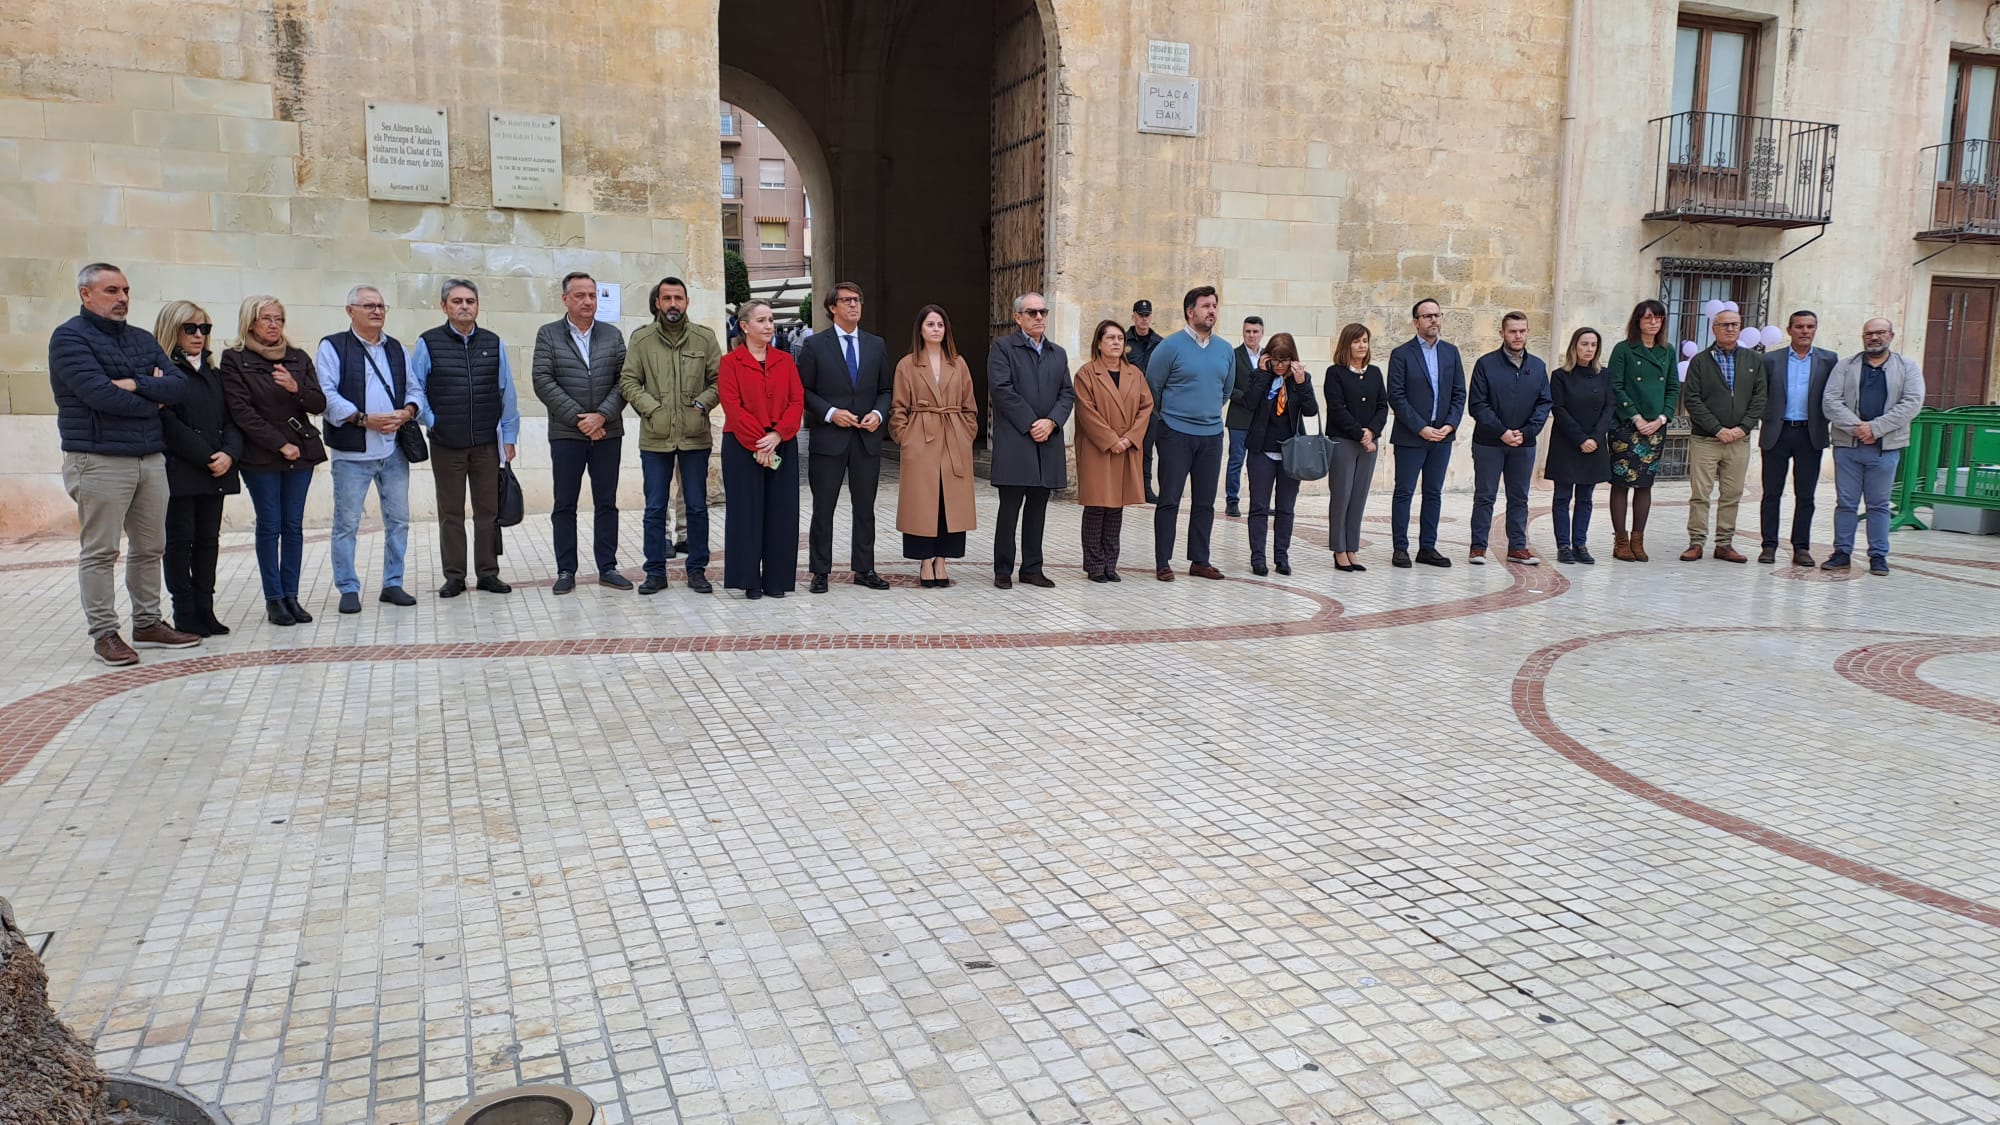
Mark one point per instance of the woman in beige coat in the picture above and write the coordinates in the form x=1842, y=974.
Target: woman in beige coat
x=933, y=418
x=1113, y=407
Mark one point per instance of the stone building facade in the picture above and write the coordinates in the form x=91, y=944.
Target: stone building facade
x=1348, y=159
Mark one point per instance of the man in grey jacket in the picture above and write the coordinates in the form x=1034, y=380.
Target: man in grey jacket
x=577, y=363
x=1028, y=375
x=1869, y=401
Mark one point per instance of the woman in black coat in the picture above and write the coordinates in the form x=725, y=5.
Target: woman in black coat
x=1279, y=397
x=273, y=393
x=203, y=446
x=1357, y=409
x=1579, y=457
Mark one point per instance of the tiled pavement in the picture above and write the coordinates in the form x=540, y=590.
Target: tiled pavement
x=1674, y=842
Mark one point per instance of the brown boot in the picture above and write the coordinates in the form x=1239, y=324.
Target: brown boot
x=1639, y=547
x=1621, y=547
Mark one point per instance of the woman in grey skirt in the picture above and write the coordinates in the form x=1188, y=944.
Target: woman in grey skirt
x=1357, y=407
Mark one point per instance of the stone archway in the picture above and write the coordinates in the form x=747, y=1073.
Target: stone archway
x=934, y=120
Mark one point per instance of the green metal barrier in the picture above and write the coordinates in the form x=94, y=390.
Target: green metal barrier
x=1953, y=458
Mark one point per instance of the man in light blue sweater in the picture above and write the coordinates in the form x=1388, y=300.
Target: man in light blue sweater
x=1190, y=373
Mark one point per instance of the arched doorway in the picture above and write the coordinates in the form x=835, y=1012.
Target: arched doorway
x=931, y=120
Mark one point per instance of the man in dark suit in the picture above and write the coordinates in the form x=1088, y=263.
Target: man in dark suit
x=1237, y=420
x=1427, y=394
x=847, y=381
x=1795, y=434
x=1724, y=395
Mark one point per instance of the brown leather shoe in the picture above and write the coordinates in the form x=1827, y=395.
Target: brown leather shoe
x=1767, y=556
x=1203, y=570
x=1692, y=554
x=161, y=635
x=1639, y=548
x=1621, y=547
x=1164, y=574
x=1729, y=554
x=1524, y=557
x=111, y=649
x=1802, y=557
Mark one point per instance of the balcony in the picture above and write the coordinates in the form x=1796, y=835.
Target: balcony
x=732, y=186
x=1737, y=170
x=732, y=129
x=1965, y=193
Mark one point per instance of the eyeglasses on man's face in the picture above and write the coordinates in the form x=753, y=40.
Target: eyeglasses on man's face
x=1034, y=312
x=375, y=306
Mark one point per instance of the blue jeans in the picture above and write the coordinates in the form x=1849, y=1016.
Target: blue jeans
x=659, y=470
x=1572, y=529
x=391, y=477
x=1412, y=461
x=279, y=496
x=1491, y=464
x=1863, y=472
x=1239, y=444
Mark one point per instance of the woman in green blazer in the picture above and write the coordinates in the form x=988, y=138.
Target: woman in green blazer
x=1645, y=385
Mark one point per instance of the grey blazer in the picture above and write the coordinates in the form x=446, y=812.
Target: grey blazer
x=569, y=387
x=1843, y=399
x=1777, y=380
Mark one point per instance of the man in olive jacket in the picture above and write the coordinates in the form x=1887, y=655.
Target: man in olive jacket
x=578, y=363
x=671, y=367
x=1027, y=375
x=1724, y=395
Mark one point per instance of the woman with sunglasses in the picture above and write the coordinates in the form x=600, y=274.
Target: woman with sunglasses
x=203, y=446
x=273, y=394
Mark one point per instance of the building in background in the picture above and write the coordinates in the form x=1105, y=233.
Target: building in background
x=765, y=216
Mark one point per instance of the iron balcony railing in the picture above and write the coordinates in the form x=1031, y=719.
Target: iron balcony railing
x=1965, y=192
x=732, y=186
x=1739, y=170
x=731, y=126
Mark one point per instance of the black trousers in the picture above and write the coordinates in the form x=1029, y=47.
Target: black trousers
x=1101, y=529
x=760, y=522
x=1274, y=495
x=570, y=460
x=1030, y=508
x=1184, y=457
x=194, y=525
x=1146, y=444
x=862, y=471
x=1796, y=452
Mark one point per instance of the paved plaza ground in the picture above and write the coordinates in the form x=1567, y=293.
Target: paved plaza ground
x=1674, y=842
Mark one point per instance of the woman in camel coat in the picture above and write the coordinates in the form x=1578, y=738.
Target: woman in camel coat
x=933, y=418
x=1113, y=407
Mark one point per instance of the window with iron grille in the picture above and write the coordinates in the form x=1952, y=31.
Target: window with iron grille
x=1686, y=284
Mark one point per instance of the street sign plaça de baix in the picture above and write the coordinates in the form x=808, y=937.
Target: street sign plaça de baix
x=1169, y=103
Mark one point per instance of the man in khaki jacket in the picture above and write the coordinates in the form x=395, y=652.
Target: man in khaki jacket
x=671, y=367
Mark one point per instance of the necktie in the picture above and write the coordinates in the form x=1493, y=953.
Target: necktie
x=853, y=361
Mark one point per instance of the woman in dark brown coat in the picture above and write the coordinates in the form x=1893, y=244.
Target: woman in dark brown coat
x=1113, y=407
x=273, y=394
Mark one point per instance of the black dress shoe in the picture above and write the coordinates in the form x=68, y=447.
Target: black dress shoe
x=871, y=580
x=614, y=580
x=213, y=627
x=396, y=595
x=698, y=582
x=1259, y=569
x=1400, y=560
x=298, y=611
x=191, y=625
x=1430, y=557
x=1233, y=510
x=653, y=584
x=818, y=585
x=774, y=593
x=493, y=585
x=276, y=613
x=1100, y=578
x=1355, y=568
x=351, y=603
x=680, y=546
x=1343, y=567
x=565, y=582
x=926, y=583
x=751, y=594
x=452, y=588
x=1003, y=582
x=1284, y=568
x=1112, y=576
x=1037, y=579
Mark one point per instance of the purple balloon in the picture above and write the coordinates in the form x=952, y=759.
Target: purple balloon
x=1684, y=370
x=1688, y=349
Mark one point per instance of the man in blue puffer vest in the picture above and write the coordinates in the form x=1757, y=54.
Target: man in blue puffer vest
x=110, y=381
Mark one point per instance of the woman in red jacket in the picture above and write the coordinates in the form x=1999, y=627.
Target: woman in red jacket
x=762, y=404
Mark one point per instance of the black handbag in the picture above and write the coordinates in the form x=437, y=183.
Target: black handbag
x=513, y=507
x=1306, y=456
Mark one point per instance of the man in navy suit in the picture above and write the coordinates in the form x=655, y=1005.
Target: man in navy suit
x=1794, y=435
x=847, y=381
x=1427, y=394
